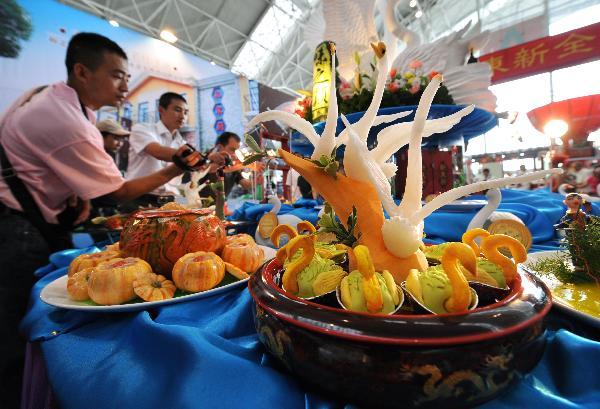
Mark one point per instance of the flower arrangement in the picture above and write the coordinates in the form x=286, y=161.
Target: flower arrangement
x=401, y=89
x=303, y=108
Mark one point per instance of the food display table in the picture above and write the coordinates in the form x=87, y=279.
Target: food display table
x=206, y=353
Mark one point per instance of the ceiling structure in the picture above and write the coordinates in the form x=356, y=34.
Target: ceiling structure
x=260, y=39
x=263, y=39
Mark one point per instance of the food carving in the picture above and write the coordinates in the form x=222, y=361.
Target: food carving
x=470, y=237
x=199, y=271
x=444, y=289
x=172, y=206
x=574, y=216
x=159, y=236
x=77, y=284
x=236, y=271
x=91, y=260
x=309, y=270
x=111, y=282
x=393, y=243
x=113, y=247
x=487, y=272
x=490, y=246
x=163, y=237
x=153, y=287
x=293, y=268
x=493, y=267
x=365, y=290
x=242, y=251
x=114, y=222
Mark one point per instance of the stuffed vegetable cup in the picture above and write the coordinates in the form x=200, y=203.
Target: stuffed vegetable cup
x=365, y=290
x=309, y=267
x=444, y=289
x=494, y=269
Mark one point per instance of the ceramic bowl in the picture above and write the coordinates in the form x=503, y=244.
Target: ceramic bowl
x=419, y=361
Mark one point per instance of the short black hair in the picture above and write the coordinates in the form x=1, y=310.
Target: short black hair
x=486, y=170
x=224, y=138
x=88, y=49
x=166, y=99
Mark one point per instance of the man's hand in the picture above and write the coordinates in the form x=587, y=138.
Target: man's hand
x=191, y=159
x=218, y=157
x=217, y=160
x=86, y=208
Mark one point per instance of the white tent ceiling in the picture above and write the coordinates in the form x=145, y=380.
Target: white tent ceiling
x=258, y=38
x=263, y=39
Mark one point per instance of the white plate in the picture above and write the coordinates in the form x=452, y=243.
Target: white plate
x=55, y=294
x=559, y=302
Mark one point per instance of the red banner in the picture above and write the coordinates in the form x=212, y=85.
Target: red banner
x=545, y=54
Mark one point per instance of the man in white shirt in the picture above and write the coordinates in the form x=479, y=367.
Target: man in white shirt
x=152, y=146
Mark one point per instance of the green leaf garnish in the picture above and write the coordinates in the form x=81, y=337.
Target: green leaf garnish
x=582, y=264
x=254, y=158
x=251, y=143
x=329, y=224
x=328, y=164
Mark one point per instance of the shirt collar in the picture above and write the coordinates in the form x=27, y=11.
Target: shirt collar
x=70, y=95
x=162, y=130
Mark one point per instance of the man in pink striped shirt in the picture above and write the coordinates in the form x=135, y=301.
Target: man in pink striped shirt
x=53, y=163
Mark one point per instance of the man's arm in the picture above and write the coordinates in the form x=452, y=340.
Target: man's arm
x=136, y=187
x=160, y=152
x=165, y=153
x=97, y=174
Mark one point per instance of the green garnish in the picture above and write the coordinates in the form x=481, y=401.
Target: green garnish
x=258, y=154
x=558, y=267
x=328, y=164
x=329, y=224
x=583, y=247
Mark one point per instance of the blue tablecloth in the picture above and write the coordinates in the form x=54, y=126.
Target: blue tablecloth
x=206, y=353
x=305, y=210
x=538, y=209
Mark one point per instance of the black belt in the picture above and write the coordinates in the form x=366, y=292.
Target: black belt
x=56, y=236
